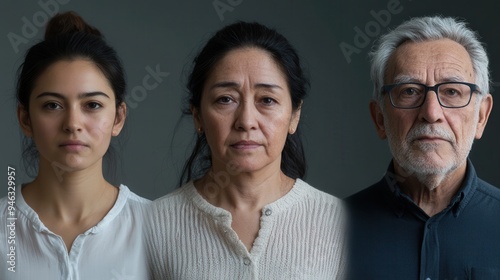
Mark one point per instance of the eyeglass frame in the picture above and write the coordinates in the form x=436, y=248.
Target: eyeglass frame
x=388, y=88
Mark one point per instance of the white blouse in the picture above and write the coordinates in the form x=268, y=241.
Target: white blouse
x=111, y=250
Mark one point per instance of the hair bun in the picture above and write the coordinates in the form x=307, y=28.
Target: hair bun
x=66, y=23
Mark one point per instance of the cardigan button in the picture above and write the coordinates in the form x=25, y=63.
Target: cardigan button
x=268, y=212
x=246, y=261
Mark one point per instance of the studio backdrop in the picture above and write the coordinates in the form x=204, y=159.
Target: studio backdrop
x=157, y=41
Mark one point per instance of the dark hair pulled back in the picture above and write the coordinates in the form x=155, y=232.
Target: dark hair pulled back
x=236, y=36
x=67, y=37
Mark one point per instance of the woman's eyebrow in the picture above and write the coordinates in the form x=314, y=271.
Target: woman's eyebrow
x=80, y=96
x=236, y=85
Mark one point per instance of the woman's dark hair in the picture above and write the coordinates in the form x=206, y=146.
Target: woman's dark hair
x=67, y=37
x=236, y=36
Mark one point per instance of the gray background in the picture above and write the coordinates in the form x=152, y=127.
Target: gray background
x=344, y=154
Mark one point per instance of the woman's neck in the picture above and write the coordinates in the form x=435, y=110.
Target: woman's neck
x=244, y=195
x=243, y=191
x=69, y=195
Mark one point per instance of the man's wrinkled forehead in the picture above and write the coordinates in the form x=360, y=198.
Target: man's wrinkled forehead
x=438, y=60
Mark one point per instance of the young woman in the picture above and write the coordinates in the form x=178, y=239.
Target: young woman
x=71, y=222
x=244, y=212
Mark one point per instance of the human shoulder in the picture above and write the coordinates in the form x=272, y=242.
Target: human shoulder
x=4, y=206
x=8, y=207
x=179, y=196
x=488, y=190
x=179, y=193
x=311, y=193
x=14, y=203
x=3, y=200
x=309, y=204
x=305, y=198
x=133, y=198
x=370, y=193
x=128, y=204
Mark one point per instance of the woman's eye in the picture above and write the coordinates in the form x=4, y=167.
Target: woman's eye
x=52, y=106
x=224, y=100
x=94, y=105
x=268, y=101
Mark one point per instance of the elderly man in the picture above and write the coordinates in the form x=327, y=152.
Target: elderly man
x=430, y=217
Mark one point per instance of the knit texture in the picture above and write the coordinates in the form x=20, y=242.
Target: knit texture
x=301, y=236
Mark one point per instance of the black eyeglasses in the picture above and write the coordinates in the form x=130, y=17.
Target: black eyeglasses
x=412, y=95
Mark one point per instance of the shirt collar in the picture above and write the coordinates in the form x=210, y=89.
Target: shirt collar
x=469, y=186
x=32, y=216
x=401, y=201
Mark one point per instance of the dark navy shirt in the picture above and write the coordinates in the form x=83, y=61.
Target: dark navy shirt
x=392, y=238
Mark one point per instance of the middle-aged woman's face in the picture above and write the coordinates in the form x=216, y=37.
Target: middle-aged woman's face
x=246, y=111
x=72, y=115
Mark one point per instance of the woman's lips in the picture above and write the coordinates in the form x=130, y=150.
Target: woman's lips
x=73, y=145
x=245, y=145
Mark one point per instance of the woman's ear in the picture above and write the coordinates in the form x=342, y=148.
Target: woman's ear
x=24, y=120
x=121, y=115
x=196, y=119
x=294, y=122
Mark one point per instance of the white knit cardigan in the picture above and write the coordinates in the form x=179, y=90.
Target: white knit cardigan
x=301, y=236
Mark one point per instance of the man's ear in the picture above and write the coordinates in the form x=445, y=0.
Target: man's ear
x=24, y=121
x=121, y=115
x=378, y=118
x=294, y=122
x=484, y=113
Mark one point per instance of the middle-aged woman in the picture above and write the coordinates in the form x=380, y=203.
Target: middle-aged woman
x=244, y=212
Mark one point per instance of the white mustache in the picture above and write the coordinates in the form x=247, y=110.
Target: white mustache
x=429, y=131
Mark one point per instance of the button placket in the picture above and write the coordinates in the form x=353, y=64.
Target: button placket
x=430, y=256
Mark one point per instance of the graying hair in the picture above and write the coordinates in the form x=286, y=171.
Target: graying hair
x=427, y=29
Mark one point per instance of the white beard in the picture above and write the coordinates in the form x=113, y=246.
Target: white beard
x=415, y=158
